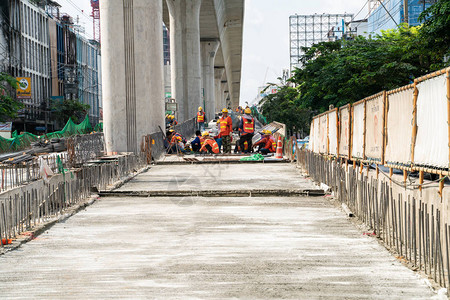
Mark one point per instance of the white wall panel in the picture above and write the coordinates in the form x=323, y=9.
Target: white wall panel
x=344, y=123
x=358, y=131
x=399, y=127
x=432, y=130
x=323, y=134
x=374, y=128
x=332, y=132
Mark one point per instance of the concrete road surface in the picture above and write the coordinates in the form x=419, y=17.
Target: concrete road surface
x=166, y=248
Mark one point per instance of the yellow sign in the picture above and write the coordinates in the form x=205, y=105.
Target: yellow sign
x=24, y=88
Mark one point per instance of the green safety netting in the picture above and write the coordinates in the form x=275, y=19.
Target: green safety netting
x=258, y=115
x=22, y=141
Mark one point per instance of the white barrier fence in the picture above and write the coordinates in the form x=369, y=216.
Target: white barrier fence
x=406, y=128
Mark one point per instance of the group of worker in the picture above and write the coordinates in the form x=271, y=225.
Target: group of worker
x=224, y=137
x=170, y=121
x=205, y=143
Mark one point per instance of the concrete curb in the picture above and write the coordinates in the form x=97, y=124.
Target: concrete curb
x=215, y=193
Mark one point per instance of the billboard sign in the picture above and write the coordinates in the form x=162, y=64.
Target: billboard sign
x=24, y=88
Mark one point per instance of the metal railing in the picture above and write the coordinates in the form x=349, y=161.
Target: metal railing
x=28, y=207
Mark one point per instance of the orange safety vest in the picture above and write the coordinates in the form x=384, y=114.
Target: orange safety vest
x=248, y=126
x=224, y=126
x=175, y=138
x=274, y=144
x=200, y=117
x=213, y=144
x=202, y=140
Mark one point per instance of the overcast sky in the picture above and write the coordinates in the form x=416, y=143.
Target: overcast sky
x=266, y=33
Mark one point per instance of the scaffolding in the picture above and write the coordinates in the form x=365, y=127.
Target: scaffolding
x=306, y=30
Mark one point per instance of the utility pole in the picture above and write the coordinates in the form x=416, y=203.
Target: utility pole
x=405, y=11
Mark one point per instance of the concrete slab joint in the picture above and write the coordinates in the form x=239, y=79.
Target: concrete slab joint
x=185, y=56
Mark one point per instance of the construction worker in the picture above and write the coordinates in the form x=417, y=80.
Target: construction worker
x=197, y=143
x=201, y=118
x=175, y=141
x=226, y=128
x=209, y=145
x=267, y=143
x=172, y=121
x=246, y=129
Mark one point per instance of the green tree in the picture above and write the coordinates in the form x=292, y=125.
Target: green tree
x=284, y=107
x=63, y=110
x=346, y=71
x=436, y=27
x=8, y=105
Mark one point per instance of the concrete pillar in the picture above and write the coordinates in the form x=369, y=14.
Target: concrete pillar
x=185, y=56
x=218, y=74
x=224, y=94
x=209, y=50
x=132, y=71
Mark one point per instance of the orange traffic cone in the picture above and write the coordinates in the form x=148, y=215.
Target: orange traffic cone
x=279, y=153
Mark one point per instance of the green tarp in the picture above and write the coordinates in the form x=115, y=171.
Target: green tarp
x=19, y=142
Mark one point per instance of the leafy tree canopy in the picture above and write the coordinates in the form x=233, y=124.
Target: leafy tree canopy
x=436, y=27
x=341, y=72
x=8, y=105
x=63, y=110
x=284, y=106
x=346, y=71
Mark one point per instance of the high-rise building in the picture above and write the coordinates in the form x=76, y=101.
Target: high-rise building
x=387, y=14
x=306, y=30
x=88, y=65
x=39, y=43
x=166, y=45
x=27, y=42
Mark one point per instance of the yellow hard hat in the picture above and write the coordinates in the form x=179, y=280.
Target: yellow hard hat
x=200, y=108
x=224, y=110
x=205, y=133
x=248, y=111
x=172, y=117
x=268, y=132
x=171, y=130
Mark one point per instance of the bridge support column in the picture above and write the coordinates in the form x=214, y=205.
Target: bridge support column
x=209, y=50
x=185, y=56
x=218, y=74
x=224, y=94
x=132, y=71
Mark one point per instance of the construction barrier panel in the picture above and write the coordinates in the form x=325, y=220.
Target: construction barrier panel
x=431, y=147
x=323, y=131
x=311, y=135
x=374, y=136
x=332, y=133
x=344, y=131
x=400, y=118
x=406, y=128
x=358, y=117
x=316, y=140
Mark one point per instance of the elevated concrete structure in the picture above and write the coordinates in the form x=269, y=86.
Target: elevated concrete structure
x=219, y=20
x=132, y=59
x=132, y=77
x=209, y=50
x=185, y=55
